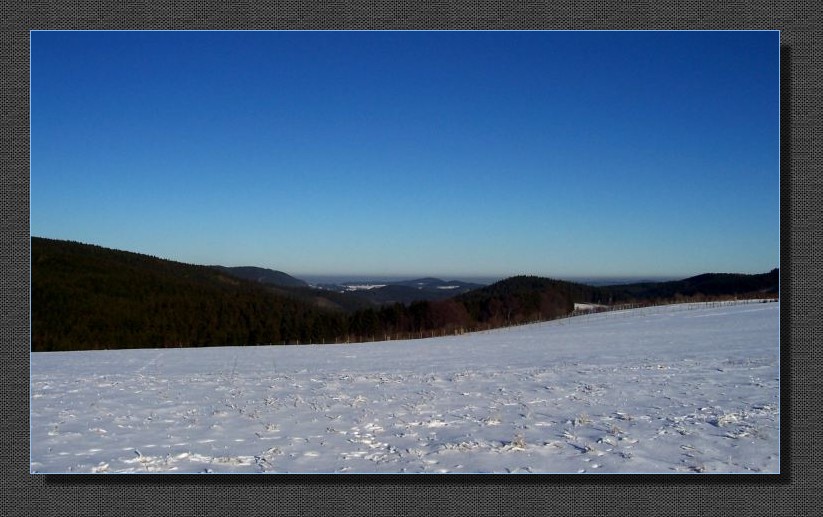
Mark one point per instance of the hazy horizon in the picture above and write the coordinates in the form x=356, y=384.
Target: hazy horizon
x=393, y=154
x=337, y=278
x=331, y=279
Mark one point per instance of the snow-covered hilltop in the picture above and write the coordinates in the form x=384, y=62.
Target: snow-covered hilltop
x=671, y=389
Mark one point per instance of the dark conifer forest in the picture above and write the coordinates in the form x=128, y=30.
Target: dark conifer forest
x=87, y=297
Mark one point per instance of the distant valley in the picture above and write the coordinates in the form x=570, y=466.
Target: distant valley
x=404, y=291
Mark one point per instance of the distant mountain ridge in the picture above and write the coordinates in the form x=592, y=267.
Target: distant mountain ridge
x=436, y=283
x=707, y=284
x=263, y=276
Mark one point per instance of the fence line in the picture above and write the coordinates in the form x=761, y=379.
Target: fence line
x=664, y=307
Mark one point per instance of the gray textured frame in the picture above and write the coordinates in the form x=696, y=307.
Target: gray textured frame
x=795, y=492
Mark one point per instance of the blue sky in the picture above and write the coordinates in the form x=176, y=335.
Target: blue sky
x=458, y=154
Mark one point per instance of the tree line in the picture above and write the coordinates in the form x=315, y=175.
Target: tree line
x=89, y=297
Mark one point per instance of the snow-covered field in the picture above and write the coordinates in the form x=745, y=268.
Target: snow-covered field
x=675, y=389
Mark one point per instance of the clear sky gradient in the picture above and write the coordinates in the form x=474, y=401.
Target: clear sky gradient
x=458, y=154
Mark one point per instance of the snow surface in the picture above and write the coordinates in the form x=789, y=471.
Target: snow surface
x=673, y=389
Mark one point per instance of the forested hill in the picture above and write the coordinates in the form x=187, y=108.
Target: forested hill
x=526, y=298
x=89, y=297
x=707, y=285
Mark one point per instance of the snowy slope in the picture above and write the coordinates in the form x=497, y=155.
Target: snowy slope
x=676, y=389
